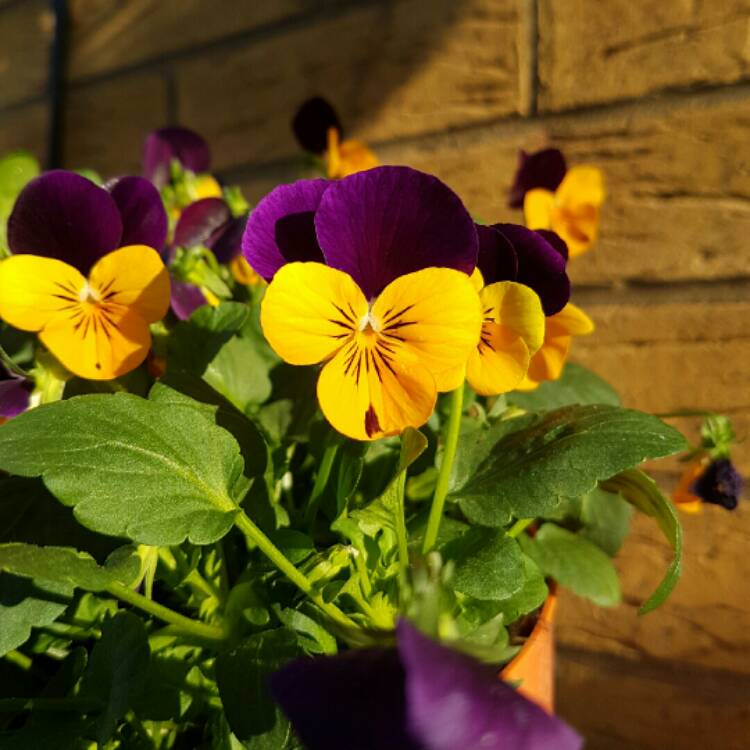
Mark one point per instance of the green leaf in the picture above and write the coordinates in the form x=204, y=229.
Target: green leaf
x=606, y=518
x=25, y=605
x=141, y=469
x=576, y=385
x=29, y=513
x=575, y=563
x=640, y=490
x=242, y=676
x=116, y=670
x=563, y=453
x=488, y=563
x=16, y=169
x=529, y=597
x=67, y=567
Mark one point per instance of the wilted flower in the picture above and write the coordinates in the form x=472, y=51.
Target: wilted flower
x=714, y=481
x=392, y=312
x=318, y=130
x=418, y=696
x=62, y=227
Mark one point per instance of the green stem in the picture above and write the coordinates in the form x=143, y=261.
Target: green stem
x=20, y=660
x=277, y=557
x=11, y=366
x=520, y=526
x=449, y=454
x=185, y=624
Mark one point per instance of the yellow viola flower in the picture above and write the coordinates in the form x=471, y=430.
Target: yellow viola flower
x=243, y=272
x=385, y=360
x=572, y=210
x=347, y=157
x=512, y=332
x=318, y=130
x=381, y=297
x=548, y=362
x=97, y=327
x=99, y=283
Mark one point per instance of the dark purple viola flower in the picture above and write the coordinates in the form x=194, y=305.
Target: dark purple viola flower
x=14, y=394
x=543, y=169
x=186, y=298
x=390, y=221
x=312, y=122
x=226, y=242
x=281, y=228
x=209, y=222
x=144, y=221
x=555, y=240
x=65, y=216
x=164, y=145
x=199, y=221
x=541, y=264
x=497, y=258
x=420, y=696
x=720, y=484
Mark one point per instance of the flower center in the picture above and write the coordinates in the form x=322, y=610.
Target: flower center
x=368, y=322
x=88, y=294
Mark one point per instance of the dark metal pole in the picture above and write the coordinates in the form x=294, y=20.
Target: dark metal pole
x=57, y=92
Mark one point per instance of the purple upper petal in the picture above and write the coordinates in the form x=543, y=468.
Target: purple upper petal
x=162, y=146
x=185, y=298
x=14, y=394
x=497, y=257
x=556, y=241
x=389, y=221
x=543, y=169
x=281, y=228
x=312, y=122
x=199, y=221
x=144, y=220
x=65, y=216
x=456, y=702
x=540, y=266
x=354, y=700
x=226, y=242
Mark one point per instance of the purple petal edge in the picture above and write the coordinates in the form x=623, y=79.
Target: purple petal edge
x=14, y=395
x=281, y=229
x=161, y=146
x=186, y=298
x=453, y=702
x=144, y=220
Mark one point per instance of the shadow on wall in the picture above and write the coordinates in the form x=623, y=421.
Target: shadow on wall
x=393, y=68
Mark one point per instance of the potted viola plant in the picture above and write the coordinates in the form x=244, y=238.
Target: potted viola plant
x=304, y=475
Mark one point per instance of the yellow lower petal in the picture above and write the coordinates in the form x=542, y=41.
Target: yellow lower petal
x=135, y=278
x=548, y=362
x=349, y=157
x=435, y=315
x=517, y=308
x=98, y=344
x=366, y=393
x=206, y=186
x=499, y=363
x=537, y=208
x=577, y=224
x=34, y=290
x=309, y=310
x=571, y=321
x=582, y=184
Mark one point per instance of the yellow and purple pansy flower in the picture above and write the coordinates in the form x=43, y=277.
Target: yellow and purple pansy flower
x=429, y=697
x=85, y=273
x=318, y=130
x=537, y=262
x=369, y=274
x=715, y=481
x=565, y=201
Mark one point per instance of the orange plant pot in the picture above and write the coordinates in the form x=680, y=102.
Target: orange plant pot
x=534, y=665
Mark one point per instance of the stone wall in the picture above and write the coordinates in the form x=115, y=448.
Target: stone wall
x=657, y=93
